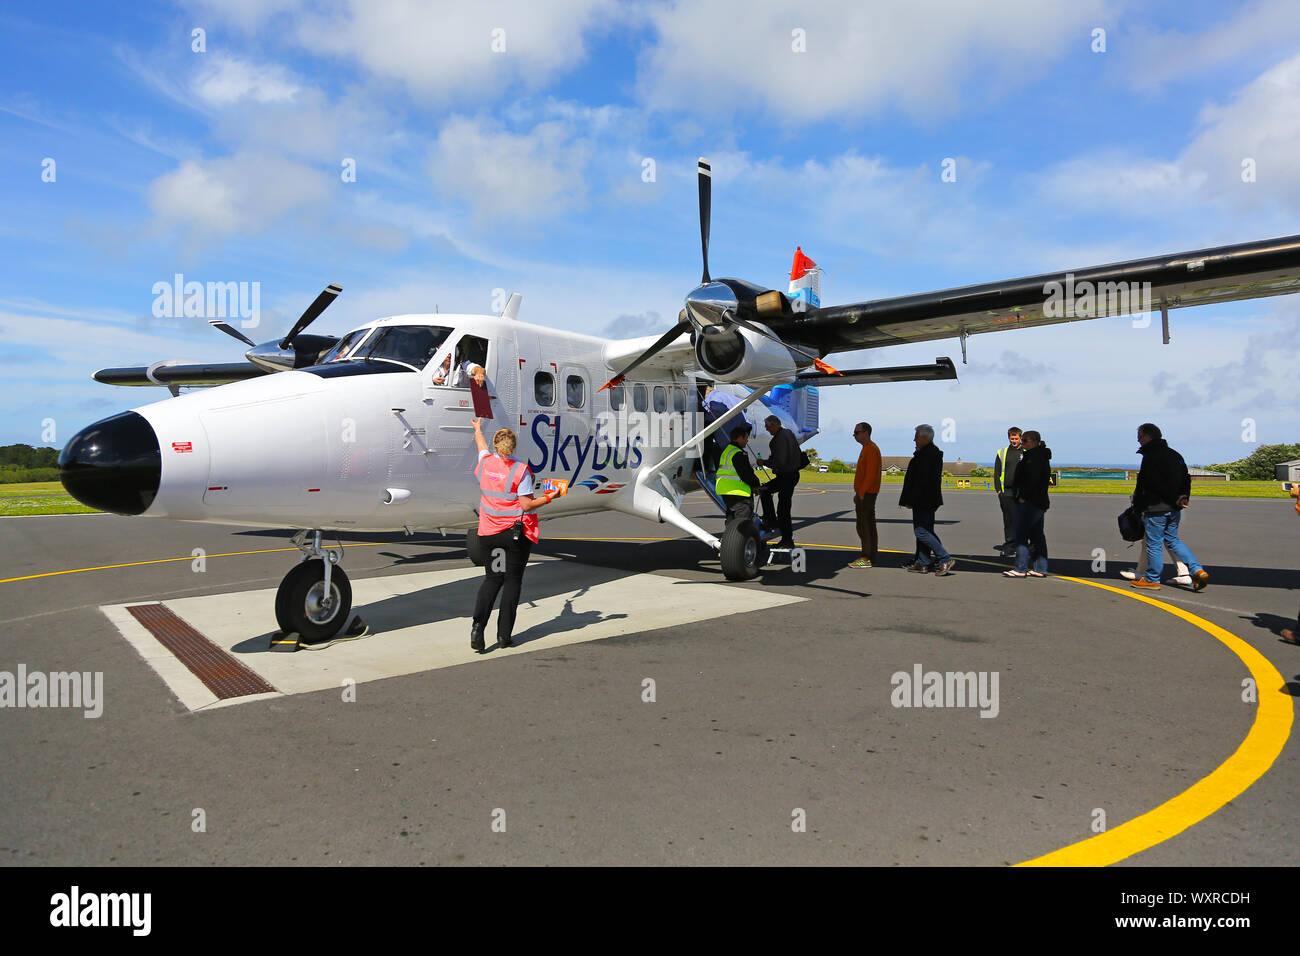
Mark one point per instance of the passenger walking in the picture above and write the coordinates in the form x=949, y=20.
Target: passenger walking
x=1004, y=478
x=507, y=529
x=1033, y=476
x=1163, y=490
x=866, y=487
x=785, y=461
x=735, y=479
x=922, y=492
x=1292, y=636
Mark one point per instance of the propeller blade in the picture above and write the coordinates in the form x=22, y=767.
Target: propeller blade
x=768, y=333
x=658, y=346
x=230, y=330
x=315, y=309
x=705, y=172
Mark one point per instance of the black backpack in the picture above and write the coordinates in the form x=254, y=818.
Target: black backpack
x=1131, y=526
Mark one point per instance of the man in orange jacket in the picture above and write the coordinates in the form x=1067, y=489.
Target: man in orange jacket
x=866, y=486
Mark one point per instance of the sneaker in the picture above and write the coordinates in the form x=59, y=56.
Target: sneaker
x=1184, y=579
x=1145, y=585
x=1291, y=637
x=1200, y=579
x=1128, y=575
x=1013, y=573
x=945, y=567
x=860, y=563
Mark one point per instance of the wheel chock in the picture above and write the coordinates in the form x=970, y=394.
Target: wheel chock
x=285, y=643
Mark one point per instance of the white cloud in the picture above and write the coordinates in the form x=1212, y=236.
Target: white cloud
x=1259, y=123
x=860, y=59
x=233, y=196
x=504, y=175
x=443, y=51
x=226, y=81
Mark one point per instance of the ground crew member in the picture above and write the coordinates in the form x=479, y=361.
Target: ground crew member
x=736, y=480
x=507, y=528
x=1004, y=483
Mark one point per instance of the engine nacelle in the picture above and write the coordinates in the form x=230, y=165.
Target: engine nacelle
x=739, y=355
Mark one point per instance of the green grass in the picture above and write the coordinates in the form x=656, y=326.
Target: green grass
x=38, y=498
x=1087, y=486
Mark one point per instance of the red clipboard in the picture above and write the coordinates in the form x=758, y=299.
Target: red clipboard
x=482, y=400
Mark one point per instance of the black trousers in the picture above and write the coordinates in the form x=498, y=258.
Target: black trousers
x=783, y=485
x=739, y=508
x=504, y=567
x=1008, y=503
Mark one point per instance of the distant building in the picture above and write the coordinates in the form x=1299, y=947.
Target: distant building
x=1204, y=474
x=897, y=464
x=1287, y=471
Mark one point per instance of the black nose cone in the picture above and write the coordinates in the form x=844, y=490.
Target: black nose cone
x=113, y=465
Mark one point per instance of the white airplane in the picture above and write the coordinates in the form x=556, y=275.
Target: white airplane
x=372, y=432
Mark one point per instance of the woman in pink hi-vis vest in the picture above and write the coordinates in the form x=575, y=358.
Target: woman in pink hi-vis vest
x=507, y=530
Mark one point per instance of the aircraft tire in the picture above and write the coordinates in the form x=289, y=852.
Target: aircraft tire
x=297, y=602
x=475, y=548
x=742, y=552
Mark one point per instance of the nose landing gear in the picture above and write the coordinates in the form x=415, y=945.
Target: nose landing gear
x=315, y=597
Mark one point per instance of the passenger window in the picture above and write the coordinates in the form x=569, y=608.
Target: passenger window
x=544, y=389
x=575, y=391
x=640, y=400
x=617, y=397
x=661, y=399
x=679, y=399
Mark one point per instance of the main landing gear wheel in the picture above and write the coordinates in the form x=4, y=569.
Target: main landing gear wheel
x=301, y=604
x=743, y=553
x=475, y=548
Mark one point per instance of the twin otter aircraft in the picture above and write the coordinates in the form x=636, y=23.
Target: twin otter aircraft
x=372, y=431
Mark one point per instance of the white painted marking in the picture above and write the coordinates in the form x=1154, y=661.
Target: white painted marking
x=420, y=622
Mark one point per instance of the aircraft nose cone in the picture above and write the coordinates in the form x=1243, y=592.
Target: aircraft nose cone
x=113, y=465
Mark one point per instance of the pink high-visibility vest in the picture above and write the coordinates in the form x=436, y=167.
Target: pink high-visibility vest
x=499, y=508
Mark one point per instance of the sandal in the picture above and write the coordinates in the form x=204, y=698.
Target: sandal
x=1290, y=637
x=1037, y=574
x=1014, y=574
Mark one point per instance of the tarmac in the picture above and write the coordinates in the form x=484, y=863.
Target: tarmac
x=655, y=713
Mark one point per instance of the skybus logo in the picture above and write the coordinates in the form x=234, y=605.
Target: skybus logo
x=208, y=300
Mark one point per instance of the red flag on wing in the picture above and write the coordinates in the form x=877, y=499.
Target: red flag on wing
x=801, y=264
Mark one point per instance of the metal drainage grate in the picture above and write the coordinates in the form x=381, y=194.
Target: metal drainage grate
x=220, y=673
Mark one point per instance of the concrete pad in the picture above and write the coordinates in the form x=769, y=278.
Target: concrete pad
x=420, y=622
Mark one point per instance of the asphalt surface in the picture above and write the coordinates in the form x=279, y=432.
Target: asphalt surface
x=1105, y=703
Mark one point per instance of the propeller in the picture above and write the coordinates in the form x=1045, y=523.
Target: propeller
x=717, y=306
x=231, y=330
x=322, y=302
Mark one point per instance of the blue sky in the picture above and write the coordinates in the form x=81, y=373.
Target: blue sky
x=522, y=169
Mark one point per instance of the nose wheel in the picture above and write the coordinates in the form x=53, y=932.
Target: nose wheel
x=315, y=597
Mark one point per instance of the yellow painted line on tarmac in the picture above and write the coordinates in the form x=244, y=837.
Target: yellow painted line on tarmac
x=1252, y=759
x=188, y=557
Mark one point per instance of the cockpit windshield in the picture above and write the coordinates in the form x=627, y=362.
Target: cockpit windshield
x=410, y=345
x=344, y=346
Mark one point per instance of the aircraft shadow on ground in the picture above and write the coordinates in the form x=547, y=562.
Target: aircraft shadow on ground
x=455, y=599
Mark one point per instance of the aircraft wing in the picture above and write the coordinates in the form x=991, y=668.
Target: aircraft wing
x=1221, y=274
x=175, y=374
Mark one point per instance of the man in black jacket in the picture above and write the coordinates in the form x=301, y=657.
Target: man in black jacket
x=1163, y=489
x=1033, y=477
x=785, y=461
x=922, y=493
x=1004, y=483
